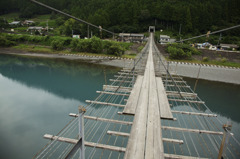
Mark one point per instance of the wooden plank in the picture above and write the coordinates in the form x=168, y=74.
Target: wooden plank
x=122, y=81
x=108, y=120
x=172, y=140
x=107, y=147
x=121, y=113
x=125, y=77
x=170, y=81
x=158, y=150
x=118, y=133
x=165, y=110
x=89, y=144
x=132, y=102
x=194, y=113
x=170, y=85
x=128, y=73
x=184, y=94
x=104, y=103
x=173, y=156
x=189, y=101
x=192, y=130
x=145, y=138
x=62, y=139
x=117, y=88
x=136, y=141
x=153, y=107
x=113, y=93
x=169, y=78
x=128, y=134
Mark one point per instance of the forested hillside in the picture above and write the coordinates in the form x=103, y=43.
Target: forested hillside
x=194, y=16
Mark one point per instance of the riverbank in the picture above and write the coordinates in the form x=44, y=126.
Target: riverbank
x=103, y=60
x=207, y=72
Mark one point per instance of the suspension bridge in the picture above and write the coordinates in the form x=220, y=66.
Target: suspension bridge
x=147, y=111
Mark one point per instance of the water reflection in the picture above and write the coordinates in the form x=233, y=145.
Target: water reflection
x=52, y=75
x=36, y=96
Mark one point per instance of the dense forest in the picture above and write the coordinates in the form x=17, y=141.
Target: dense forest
x=194, y=16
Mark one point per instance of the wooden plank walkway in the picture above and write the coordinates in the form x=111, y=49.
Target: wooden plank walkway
x=132, y=102
x=165, y=110
x=145, y=139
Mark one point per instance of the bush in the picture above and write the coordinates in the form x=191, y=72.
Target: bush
x=96, y=45
x=205, y=59
x=74, y=44
x=181, y=51
x=176, y=53
x=84, y=45
x=57, y=45
x=4, y=42
x=115, y=49
x=223, y=60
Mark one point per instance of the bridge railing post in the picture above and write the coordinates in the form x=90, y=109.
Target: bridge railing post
x=81, y=110
x=226, y=127
x=167, y=71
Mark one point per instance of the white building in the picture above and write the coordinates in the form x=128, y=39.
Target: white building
x=164, y=39
x=15, y=23
x=131, y=37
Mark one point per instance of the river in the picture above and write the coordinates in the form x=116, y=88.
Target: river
x=37, y=94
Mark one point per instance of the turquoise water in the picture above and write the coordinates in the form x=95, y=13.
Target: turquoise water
x=37, y=94
x=222, y=99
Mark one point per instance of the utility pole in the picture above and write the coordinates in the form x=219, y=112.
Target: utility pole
x=220, y=38
x=47, y=25
x=180, y=28
x=88, y=32
x=100, y=29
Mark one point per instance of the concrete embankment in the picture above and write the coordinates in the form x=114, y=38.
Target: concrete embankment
x=207, y=72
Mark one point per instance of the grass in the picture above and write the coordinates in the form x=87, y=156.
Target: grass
x=35, y=48
x=213, y=62
x=45, y=49
x=131, y=56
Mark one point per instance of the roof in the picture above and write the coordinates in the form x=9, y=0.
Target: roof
x=229, y=45
x=164, y=36
x=14, y=22
x=131, y=34
x=138, y=35
x=124, y=34
x=29, y=21
x=37, y=28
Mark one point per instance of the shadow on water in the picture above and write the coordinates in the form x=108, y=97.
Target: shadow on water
x=61, y=77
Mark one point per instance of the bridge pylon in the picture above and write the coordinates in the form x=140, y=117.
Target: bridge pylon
x=152, y=29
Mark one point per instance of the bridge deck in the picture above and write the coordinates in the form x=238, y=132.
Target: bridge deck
x=149, y=103
x=138, y=129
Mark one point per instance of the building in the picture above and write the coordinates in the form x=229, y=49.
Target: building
x=164, y=39
x=28, y=22
x=229, y=47
x=14, y=23
x=35, y=28
x=131, y=37
x=76, y=36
